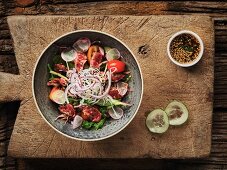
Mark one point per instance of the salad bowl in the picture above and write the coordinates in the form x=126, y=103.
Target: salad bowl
x=49, y=110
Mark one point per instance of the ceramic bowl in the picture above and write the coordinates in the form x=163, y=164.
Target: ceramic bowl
x=49, y=110
x=200, y=52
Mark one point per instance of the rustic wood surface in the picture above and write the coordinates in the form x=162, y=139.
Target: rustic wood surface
x=218, y=10
x=163, y=82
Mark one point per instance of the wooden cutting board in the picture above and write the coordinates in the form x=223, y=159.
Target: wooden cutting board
x=147, y=37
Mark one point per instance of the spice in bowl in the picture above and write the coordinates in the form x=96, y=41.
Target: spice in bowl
x=185, y=48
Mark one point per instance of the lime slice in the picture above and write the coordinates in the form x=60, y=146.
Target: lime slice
x=157, y=121
x=177, y=113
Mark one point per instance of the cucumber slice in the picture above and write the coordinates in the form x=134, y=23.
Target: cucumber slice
x=177, y=113
x=157, y=121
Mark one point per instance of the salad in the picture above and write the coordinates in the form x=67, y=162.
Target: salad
x=88, y=83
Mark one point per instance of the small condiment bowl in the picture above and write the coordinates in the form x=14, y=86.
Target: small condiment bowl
x=200, y=52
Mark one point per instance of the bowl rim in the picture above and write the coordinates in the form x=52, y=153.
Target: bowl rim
x=200, y=52
x=33, y=80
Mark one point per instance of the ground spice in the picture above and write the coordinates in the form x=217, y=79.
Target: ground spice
x=184, y=48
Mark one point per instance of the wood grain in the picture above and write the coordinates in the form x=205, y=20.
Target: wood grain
x=61, y=7
x=163, y=82
x=13, y=82
x=7, y=119
x=217, y=159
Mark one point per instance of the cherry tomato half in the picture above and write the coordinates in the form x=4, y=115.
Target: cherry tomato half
x=116, y=66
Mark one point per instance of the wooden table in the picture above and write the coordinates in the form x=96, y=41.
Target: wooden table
x=218, y=10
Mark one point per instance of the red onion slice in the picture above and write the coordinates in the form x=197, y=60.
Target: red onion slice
x=116, y=112
x=68, y=55
x=88, y=84
x=113, y=54
x=101, y=51
x=77, y=121
x=82, y=45
x=122, y=88
x=107, y=89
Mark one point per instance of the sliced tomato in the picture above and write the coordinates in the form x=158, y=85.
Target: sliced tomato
x=91, y=114
x=93, y=48
x=80, y=61
x=116, y=66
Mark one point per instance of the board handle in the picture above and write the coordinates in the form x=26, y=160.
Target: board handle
x=10, y=87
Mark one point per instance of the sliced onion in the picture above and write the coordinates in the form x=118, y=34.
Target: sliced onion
x=74, y=76
x=68, y=55
x=66, y=93
x=113, y=69
x=107, y=89
x=77, y=121
x=69, y=74
x=79, y=88
x=112, y=54
x=122, y=88
x=101, y=51
x=88, y=84
x=82, y=45
x=98, y=86
x=116, y=112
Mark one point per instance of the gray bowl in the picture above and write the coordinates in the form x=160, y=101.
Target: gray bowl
x=49, y=110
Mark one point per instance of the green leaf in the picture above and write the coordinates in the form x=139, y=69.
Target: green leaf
x=71, y=65
x=73, y=101
x=86, y=101
x=50, y=69
x=86, y=65
x=106, y=49
x=103, y=66
x=58, y=60
x=113, y=102
x=100, y=124
x=127, y=78
x=87, y=125
x=59, y=75
x=103, y=111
